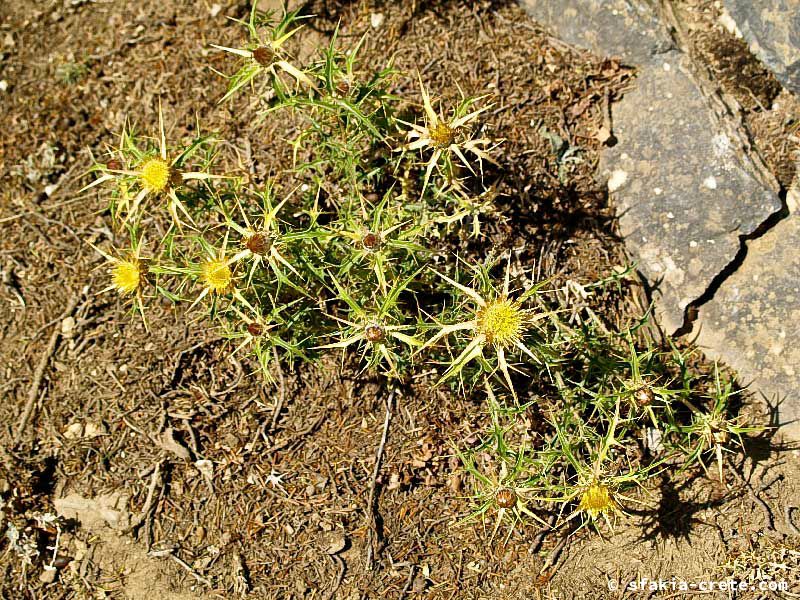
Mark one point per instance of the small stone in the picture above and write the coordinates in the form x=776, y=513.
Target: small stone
x=68, y=327
x=206, y=468
x=74, y=431
x=333, y=542
x=93, y=430
x=376, y=20
x=617, y=180
x=48, y=575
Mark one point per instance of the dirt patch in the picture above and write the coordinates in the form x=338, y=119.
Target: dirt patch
x=282, y=513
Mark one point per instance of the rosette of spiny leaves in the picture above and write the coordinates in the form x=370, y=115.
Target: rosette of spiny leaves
x=503, y=473
x=714, y=429
x=200, y=271
x=265, y=52
x=271, y=247
x=646, y=381
x=273, y=336
x=446, y=138
x=593, y=469
x=376, y=325
x=492, y=327
x=380, y=241
x=128, y=272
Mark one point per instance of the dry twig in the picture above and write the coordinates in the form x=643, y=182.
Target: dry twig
x=38, y=375
x=372, y=508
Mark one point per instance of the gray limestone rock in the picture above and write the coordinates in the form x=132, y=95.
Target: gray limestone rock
x=628, y=29
x=753, y=322
x=682, y=195
x=686, y=193
x=772, y=30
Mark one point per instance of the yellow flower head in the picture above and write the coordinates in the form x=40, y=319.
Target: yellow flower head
x=155, y=175
x=442, y=135
x=502, y=322
x=216, y=275
x=126, y=275
x=597, y=499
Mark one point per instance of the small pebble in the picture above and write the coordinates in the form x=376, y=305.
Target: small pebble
x=48, y=575
x=68, y=327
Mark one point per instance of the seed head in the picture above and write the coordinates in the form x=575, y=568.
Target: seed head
x=371, y=241
x=374, y=333
x=502, y=322
x=258, y=243
x=263, y=56
x=254, y=329
x=442, y=134
x=720, y=436
x=505, y=498
x=644, y=396
x=596, y=499
x=126, y=276
x=155, y=175
x=216, y=275
x=344, y=86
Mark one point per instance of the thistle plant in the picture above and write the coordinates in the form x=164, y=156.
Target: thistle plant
x=149, y=172
x=447, y=137
x=714, y=431
x=496, y=326
x=265, y=54
x=351, y=250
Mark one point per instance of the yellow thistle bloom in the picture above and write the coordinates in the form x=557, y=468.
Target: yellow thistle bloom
x=126, y=275
x=216, y=275
x=444, y=136
x=502, y=322
x=154, y=175
x=498, y=322
x=157, y=175
x=597, y=499
x=128, y=272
